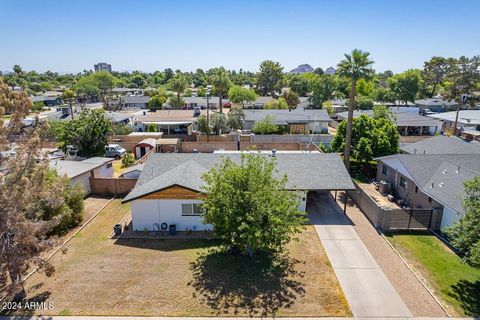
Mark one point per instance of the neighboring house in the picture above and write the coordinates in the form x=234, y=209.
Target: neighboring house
x=201, y=102
x=135, y=101
x=436, y=104
x=408, y=123
x=48, y=101
x=170, y=121
x=102, y=66
x=302, y=121
x=470, y=134
x=133, y=172
x=430, y=181
x=119, y=118
x=441, y=145
x=466, y=119
x=169, y=190
x=82, y=171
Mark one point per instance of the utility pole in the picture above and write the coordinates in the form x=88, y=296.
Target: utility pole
x=208, y=117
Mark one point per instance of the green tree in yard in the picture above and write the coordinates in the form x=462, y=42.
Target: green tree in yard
x=270, y=77
x=235, y=118
x=299, y=84
x=249, y=207
x=218, y=121
x=384, y=112
x=238, y=94
x=202, y=125
x=221, y=83
x=364, y=103
x=17, y=69
x=151, y=127
x=265, y=126
x=355, y=66
x=120, y=129
x=406, y=85
x=276, y=104
x=464, y=235
x=323, y=89
x=178, y=84
x=156, y=102
x=85, y=88
x=371, y=137
x=291, y=98
x=128, y=160
x=435, y=72
x=88, y=133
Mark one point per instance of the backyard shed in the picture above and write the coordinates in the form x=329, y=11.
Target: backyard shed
x=144, y=146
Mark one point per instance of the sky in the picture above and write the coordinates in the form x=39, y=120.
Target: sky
x=72, y=35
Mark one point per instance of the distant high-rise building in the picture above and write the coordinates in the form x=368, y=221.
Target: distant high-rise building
x=103, y=66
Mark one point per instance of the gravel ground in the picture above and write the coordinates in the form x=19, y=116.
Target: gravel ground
x=415, y=296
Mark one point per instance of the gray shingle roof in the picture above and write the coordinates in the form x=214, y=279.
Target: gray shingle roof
x=410, y=119
x=136, y=99
x=443, y=172
x=441, y=145
x=305, y=171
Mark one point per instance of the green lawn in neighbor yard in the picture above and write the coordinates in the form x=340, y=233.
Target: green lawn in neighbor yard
x=454, y=281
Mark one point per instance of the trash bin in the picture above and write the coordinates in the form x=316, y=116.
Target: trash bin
x=117, y=229
x=172, y=230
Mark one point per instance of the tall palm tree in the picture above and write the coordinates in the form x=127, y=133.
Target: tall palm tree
x=178, y=84
x=356, y=65
x=221, y=82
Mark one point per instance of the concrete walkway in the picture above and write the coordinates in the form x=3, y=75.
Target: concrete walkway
x=368, y=291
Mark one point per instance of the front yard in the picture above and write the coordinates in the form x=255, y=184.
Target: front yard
x=452, y=280
x=101, y=276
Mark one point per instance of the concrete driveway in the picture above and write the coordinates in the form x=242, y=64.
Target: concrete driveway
x=367, y=289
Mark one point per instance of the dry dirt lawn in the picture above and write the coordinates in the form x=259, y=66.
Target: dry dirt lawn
x=102, y=276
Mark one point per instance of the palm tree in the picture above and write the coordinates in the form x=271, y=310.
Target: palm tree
x=178, y=84
x=221, y=82
x=356, y=65
x=17, y=69
x=69, y=95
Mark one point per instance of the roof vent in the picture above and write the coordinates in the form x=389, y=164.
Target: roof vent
x=432, y=186
x=441, y=184
x=444, y=171
x=458, y=169
x=274, y=152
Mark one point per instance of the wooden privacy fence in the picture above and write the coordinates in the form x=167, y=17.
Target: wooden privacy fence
x=112, y=186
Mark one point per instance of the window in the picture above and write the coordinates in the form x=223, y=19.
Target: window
x=384, y=170
x=191, y=209
x=109, y=165
x=403, y=182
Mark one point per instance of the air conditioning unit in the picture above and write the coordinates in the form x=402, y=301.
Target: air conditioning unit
x=384, y=187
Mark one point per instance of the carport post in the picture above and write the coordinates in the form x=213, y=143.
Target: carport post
x=345, y=203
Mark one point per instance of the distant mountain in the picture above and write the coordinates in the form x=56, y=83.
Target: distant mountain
x=303, y=68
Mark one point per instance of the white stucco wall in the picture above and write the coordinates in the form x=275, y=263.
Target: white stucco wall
x=145, y=213
x=449, y=216
x=84, y=180
x=318, y=126
x=104, y=171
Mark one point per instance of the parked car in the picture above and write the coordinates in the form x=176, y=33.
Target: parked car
x=114, y=151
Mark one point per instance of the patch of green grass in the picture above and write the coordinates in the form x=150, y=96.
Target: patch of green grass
x=454, y=281
x=65, y=312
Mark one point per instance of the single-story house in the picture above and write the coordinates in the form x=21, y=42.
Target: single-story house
x=408, y=123
x=466, y=119
x=201, y=102
x=82, y=171
x=436, y=104
x=470, y=134
x=169, y=121
x=302, y=121
x=430, y=181
x=144, y=146
x=135, y=101
x=441, y=145
x=133, y=172
x=49, y=101
x=169, y=190
x=119, y=118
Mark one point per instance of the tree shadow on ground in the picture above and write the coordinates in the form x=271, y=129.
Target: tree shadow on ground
x=257, y=286
x=25, y=307
x=468, y=294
